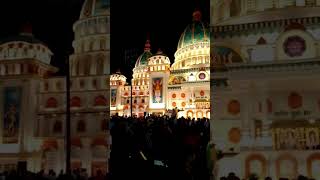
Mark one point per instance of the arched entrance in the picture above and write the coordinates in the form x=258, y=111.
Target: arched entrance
x=199, y=114
x=190, y=114
x=313, y=166
x=286, y=167
x=256, y=164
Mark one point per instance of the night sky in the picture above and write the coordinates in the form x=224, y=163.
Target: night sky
x=164, y=20
x=131, y=21
x=52, y=22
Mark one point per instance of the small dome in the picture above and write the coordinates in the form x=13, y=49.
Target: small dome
x=195, y=32
x=143, y=58
x=92, y=8
x=24, y=36
x=160, y=53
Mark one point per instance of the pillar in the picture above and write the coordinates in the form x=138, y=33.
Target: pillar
x=86, y=154
x=61, y=156
x=266, y=140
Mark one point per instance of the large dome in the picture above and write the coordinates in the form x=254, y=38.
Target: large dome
x=196, y=32
x=143, y=58
x=92, y=8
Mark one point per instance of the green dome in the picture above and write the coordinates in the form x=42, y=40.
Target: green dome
x=93, y=8
x=194, y=33
x=143, y=58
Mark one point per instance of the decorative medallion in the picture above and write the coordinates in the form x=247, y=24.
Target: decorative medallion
x=174, y=104
x=202, y=76
x=183, y=95
x=294, y=46
x=174, y=95
x=234, y=135
x=183, y=104
x=234, y=107
x=201, y=93
x=294, y=100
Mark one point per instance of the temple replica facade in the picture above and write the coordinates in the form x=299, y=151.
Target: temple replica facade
x=159, y=86
x=264, y=87
x=33, y=100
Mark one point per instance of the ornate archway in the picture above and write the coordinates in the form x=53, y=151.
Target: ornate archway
x=286, y=166
x=257, y=164
x=199, y=114
x=313, y=163
x=190, y=114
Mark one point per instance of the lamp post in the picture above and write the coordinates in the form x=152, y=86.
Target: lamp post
x=67, y=135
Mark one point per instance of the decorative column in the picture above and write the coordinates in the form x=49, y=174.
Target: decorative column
x=246, y=117
x=86, y=154
x=61, y=155
x=266, y=139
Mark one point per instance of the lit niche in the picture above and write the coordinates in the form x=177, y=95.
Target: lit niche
x=192, y=77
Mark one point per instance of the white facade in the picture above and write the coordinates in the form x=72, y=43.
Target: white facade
x=265, y=69
x=43, y=101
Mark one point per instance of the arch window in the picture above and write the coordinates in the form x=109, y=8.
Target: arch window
x=81, y=126
x=52, y=103
x=100, y=101
x=251, y=5
x=57, y=127
x=235, y=8
x=75, y=101
x=310, y=2
x=104, y=125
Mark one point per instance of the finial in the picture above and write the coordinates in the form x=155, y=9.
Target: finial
x=147, y=44
x=159, y=51
x=26, y=28
x=197, y=15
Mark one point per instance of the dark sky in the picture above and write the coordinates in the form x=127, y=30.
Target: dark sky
x=165, y=20
x=52, y=22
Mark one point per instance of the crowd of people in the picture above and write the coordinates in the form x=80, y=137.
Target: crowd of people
x=155, y=147
x=150, y=147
